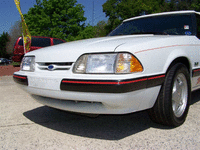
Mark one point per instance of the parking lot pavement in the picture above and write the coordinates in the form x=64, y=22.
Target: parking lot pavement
x=26, y=124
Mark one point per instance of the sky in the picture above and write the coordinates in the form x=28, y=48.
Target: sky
x=9, y=13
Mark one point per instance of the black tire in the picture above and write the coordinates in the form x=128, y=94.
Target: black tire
x=172, y=105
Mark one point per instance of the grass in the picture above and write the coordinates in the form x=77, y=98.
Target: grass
x=15, y=64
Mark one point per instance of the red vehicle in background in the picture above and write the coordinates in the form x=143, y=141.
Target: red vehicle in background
x=36, y=43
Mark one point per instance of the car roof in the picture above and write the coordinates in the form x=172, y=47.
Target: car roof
x=163, y=13
x=43, y=37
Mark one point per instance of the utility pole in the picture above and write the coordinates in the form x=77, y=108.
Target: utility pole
x=93, y=15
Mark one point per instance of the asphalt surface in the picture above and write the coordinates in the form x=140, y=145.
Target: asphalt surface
x=26, y=125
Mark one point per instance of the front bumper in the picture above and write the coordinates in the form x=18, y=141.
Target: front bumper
x=93, y=96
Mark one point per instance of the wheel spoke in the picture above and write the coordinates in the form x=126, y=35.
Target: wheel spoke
x=175, y=96
x=179, y=95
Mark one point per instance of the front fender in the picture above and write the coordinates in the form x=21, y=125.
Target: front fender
x=175, y=55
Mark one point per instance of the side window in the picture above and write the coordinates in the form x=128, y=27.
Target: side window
x=56, y=41
x=40, y=42
x=21, y=42
x=198, y=26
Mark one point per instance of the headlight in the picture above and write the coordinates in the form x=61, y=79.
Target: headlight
x=107, y=63
x=28, y=64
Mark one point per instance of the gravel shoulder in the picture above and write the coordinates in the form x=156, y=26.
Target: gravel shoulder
x=26, y=124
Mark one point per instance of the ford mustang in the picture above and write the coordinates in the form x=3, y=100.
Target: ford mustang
x=150, y=62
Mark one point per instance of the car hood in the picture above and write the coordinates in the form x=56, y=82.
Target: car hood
x=69, y=52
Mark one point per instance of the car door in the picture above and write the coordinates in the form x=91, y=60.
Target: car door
x=196, y=64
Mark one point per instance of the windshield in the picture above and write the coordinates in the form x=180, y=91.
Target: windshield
x=165, y=24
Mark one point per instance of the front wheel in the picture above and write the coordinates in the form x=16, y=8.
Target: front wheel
x=173, y=101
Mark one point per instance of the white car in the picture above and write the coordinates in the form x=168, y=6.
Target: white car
x=150, y=62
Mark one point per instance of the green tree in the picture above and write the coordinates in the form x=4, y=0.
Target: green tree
x=4, y=38
x=111, y=9
x=176, y=5
x=56, y=18
x=195, y=5
x=88, y=32
x=100, y=29
x=93, y=31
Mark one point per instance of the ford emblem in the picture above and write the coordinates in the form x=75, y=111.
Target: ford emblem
x=51, y=67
